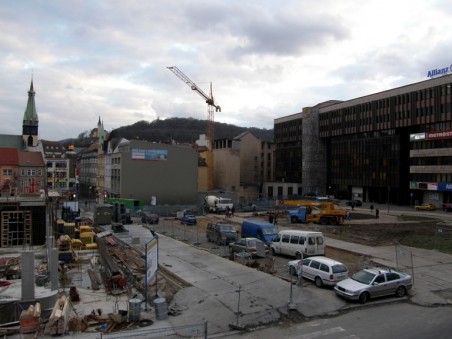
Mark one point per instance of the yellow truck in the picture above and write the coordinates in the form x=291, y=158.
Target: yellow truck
x=317, y=212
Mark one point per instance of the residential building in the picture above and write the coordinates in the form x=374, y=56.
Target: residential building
x=87, y=171
x=58, y=165
x=23, y=183
x=242, y=165
x=226, y=166
x=31, y=174
x=8, y=171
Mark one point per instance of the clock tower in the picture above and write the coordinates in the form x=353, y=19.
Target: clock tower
x=30, y=122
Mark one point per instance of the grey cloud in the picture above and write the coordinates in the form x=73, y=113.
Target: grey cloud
x=285, y=36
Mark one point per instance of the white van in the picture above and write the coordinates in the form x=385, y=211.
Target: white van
x=299, y=244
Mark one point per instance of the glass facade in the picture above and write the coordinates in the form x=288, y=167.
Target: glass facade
x=369, y=141
x=288, y=155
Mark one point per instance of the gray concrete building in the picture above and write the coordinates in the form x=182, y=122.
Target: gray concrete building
x=144, y=170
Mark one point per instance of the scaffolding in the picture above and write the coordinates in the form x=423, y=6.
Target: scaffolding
x=16, y=228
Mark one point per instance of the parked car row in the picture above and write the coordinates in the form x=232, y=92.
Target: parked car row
x=362, y=286
x=309, y=249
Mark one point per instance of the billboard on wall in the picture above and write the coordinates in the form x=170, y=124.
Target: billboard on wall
x=149, y=154
x=439, y=135
x=431, y=186
x=431, y=135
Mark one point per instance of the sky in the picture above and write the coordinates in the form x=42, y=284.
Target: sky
x=265, y=59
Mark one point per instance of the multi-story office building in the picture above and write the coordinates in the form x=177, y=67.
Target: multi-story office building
x=363, y=148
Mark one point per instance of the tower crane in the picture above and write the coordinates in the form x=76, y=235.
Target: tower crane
x=211, y=106
x=211, y=109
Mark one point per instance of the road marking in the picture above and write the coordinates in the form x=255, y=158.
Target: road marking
x=313, y=323
x=323, y=333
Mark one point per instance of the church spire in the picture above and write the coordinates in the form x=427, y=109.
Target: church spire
x=30, y=121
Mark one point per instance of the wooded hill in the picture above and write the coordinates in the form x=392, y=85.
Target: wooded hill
x=183, y=130
x=179, y=130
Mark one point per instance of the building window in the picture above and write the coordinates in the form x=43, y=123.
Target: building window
x=7, y=171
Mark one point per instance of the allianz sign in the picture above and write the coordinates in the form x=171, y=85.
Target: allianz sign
x=439, y=71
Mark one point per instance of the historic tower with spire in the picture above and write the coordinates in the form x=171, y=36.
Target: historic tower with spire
x=30, y=123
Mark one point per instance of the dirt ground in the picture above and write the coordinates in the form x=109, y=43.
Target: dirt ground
x=363, y=229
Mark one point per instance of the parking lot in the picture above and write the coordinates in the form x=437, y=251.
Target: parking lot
x=276, y=265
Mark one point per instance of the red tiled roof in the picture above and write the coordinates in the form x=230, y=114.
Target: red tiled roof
x=9, y=156
x=31, y=159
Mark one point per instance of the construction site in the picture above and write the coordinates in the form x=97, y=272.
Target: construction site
x=88, y=278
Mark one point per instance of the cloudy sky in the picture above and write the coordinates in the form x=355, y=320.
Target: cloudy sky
x=265, y=58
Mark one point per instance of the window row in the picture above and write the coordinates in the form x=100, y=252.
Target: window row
x=431, y=144
x=31, y=172
x=431, y=177
x=431, y=161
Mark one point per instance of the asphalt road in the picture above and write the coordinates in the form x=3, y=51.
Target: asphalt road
x=400, y=320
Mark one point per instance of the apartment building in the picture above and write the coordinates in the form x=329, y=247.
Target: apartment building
x=243, y=165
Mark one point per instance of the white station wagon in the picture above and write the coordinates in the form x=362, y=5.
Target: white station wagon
x=321, y=270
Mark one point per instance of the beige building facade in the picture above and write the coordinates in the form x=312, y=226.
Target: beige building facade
x=243, y=164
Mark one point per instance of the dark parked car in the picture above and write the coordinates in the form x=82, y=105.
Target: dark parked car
x=150, y=218
x=354, y=203
x=221, y=234
x=188, y=219
x=253, y=246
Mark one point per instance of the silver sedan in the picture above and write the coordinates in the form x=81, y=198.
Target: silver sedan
x=372, y=283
